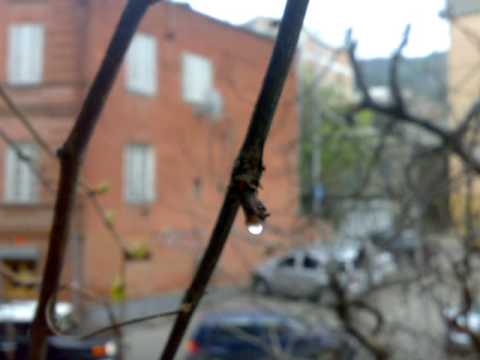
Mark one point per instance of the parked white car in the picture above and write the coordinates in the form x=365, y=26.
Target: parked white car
x=304, y=273
x=298, y=274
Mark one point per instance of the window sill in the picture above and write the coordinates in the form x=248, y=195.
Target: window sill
x=141, y=203
x=144, y=208
x=29, y=86
x=194, y=103
x=26, y=205
x=145, y=94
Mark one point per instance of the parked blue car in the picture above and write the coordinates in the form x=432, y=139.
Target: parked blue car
x=255, y=334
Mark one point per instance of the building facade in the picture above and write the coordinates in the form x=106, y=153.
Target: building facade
x=464, y=54
x=464, y=81
x=163, y=149
x=319, y=64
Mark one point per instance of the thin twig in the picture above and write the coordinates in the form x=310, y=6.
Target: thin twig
x=90, y=193
x=46, y=183
x=394, y=70
x=360, y=80
x=452, y=139
x=134, y=321
x=19, y=114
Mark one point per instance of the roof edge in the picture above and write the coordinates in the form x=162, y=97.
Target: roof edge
x=240, y=28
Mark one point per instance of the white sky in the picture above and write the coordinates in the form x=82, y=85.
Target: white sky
x=377, y=24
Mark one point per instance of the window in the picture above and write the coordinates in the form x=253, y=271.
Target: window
x=141, y=74
x=20, y=180
x=26, y=47
x=22, y=261
x=23, y=269
x=289, y=261
x=309, y=262
x=197, y=78
x=139, y=173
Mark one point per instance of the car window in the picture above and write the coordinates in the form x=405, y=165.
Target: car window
x=288, y=261
x=310, y=263
x=226, y=334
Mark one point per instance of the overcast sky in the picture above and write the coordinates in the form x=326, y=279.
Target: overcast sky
x=377, y=24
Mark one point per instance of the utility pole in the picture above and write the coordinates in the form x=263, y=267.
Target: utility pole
x=318, y=189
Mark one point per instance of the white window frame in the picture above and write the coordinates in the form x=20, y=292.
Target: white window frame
x=21, y=183
x=26, y=48
x=197, y=78
x=142, y=65
x=139, y=173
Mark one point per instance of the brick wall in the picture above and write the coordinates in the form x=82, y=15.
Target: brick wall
x=194, y=154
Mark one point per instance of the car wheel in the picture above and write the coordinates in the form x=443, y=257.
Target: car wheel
x=321, y=294
x=260, y=286
x=316, y=296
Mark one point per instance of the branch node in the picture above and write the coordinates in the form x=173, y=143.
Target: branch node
x=186, y=307
x=254, y=210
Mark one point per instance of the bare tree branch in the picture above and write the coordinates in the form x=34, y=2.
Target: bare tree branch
x=25, y=121
x=71, y=157
x=37, y=137
x=107, y=329
x=247, y=170
x=452, y=139
x=360, y=80
x=394, y=70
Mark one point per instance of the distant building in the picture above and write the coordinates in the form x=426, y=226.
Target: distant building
x=464, y=54
x=321, y=68
x=464, y=78
x=461, y=8
x=163, y=149
x=317, y=61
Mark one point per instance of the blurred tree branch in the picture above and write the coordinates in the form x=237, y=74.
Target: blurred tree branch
x=71, y=158
x=247, y=170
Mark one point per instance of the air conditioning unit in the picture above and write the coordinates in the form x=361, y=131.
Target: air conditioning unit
x=212, y=106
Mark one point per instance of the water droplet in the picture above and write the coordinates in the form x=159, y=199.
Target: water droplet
x=255, y=229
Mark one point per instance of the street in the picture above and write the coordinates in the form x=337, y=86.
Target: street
x=412, y=327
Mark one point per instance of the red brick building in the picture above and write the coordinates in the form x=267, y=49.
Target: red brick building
x=163, y=148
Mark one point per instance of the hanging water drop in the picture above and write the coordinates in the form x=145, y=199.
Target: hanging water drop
x=255, y=229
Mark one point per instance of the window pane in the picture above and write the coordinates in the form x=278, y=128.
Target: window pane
x=287, y=262
x=26, y=47
x=139, y=173
x=149, y=189
x=141, y=69
x=197, y=78
x=21, y=184
x=309, y=262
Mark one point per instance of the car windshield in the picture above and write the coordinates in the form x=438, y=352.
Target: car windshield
x=295, y=325
x=229, y=332
x=243, y=328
